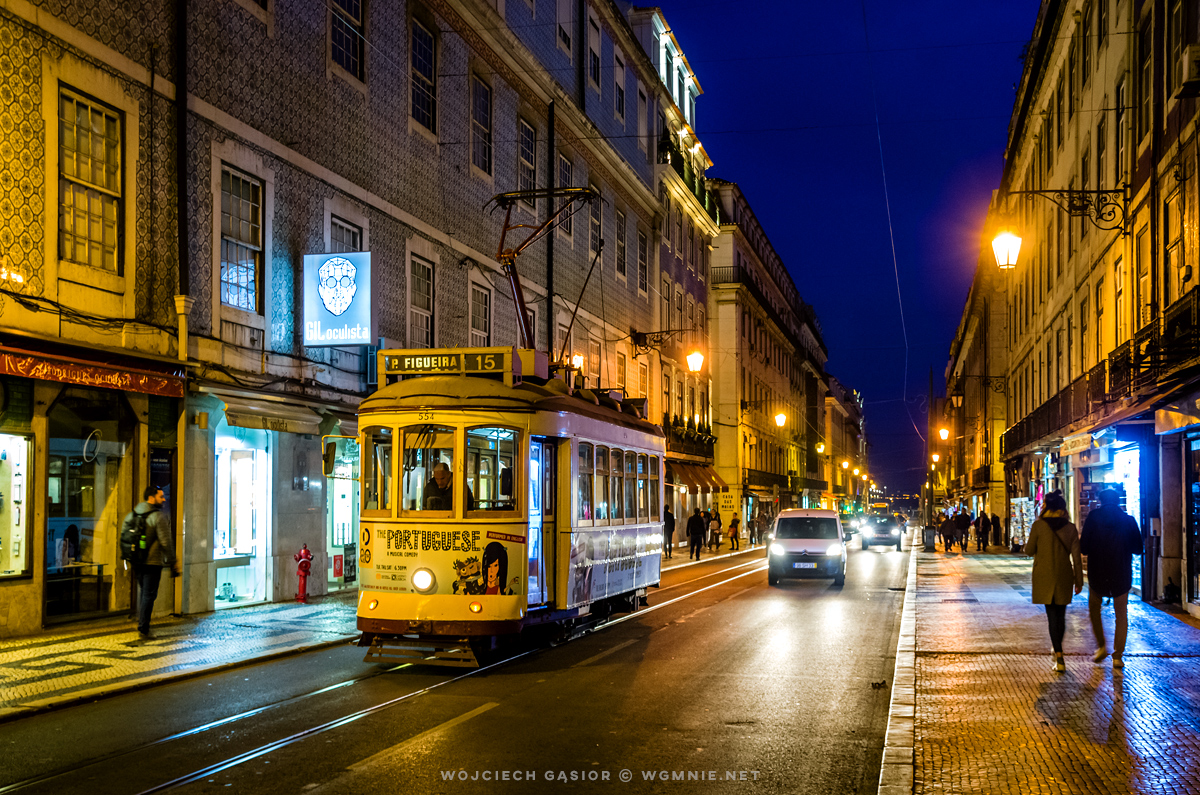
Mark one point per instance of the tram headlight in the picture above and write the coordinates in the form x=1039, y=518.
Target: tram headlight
x=423, y=581
x=776, y=549
x=374, y=603
x=475, y=607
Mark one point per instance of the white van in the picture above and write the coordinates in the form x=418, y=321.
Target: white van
x=806, y=542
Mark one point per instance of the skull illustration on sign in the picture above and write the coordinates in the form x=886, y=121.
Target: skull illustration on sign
x=335, y=284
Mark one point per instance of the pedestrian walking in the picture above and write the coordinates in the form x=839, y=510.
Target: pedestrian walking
x=983, y=527
x=948, y=531
x=1110, y=539
x=695, y=531
x=735, y=543
x=714, y=530
x=160, y=553
x=962, y=524
x=1057, y=568
x=707, y=517
x=668, y=531
x=998, y=536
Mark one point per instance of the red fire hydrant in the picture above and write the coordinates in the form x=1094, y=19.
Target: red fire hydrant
x=304, y=558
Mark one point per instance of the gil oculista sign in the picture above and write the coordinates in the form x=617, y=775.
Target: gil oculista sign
x=337, y=299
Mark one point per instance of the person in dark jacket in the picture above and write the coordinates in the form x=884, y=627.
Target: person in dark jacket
x=1109, y=539
x=998, y=532
x=160, y=552
x=983, y=526
x=947, y=530
x=695, y=530
x=668, y=531
x=962, y=523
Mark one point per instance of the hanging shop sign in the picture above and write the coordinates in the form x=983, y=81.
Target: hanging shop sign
x=71, y=372
x=337, y=299
x=1075, y=444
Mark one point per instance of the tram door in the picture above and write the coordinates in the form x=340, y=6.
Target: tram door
x=541, y=516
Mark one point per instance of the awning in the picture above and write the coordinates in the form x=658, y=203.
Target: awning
x=699, y=479
x=270, y=416
x=127, y=373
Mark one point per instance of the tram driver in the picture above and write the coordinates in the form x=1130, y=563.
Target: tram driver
x=439, y=491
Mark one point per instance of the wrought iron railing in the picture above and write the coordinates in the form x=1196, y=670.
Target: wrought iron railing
x=981, y=476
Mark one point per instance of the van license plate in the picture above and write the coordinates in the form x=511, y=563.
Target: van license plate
x=804, y=565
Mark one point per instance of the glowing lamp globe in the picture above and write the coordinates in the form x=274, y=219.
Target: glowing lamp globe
x=780, y=419
x=695, y=361
x=1006, y=247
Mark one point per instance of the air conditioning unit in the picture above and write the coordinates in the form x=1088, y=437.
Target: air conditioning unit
x=1191, y=72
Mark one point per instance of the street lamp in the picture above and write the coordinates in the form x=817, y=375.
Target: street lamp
x=695, y=361
x=820, y=448
x=945, y=434
x=1006, y=246
x=845, y=465
x=780, y=419
x=856, y=470
x=936, y=458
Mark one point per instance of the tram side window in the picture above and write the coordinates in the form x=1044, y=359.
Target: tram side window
x=642, y=497
x=427, y=478
x=585, y=482
x=602, y=484
x=377, y=469
x=655, y=512
x=490, y=473
x=630, y=487
x=617, y=496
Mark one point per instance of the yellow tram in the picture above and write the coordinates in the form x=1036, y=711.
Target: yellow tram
x=495, y=497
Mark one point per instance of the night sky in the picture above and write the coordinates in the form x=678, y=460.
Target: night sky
x=787, y=113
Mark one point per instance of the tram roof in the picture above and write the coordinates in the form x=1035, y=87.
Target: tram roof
x=469, y=393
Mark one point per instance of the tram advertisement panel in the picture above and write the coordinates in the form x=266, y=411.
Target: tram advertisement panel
x=464, y=561
x=609, y=562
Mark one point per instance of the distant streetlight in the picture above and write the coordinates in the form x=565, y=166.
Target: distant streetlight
x=780, y=419
x=936, y=458
x=845, y=465
x=856, y=470
x=945, y=434
x=695, y=361
x=820, y=447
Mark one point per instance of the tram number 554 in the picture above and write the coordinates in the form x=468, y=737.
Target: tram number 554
x=484, y=362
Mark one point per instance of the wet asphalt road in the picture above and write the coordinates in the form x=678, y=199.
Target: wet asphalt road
x=765, y=689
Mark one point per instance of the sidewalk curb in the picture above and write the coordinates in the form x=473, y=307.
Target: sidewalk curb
x=31, y=708
x=896, y=772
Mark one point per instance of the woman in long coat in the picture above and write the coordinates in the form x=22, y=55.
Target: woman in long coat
x=1057, y=568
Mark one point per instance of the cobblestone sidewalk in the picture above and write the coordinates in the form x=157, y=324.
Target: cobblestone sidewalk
x=81, y=663
x=992, y=716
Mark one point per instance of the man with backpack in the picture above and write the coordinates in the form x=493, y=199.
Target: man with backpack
x=147, y=543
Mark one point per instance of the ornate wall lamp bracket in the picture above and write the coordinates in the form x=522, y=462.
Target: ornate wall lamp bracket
x=1106, y=209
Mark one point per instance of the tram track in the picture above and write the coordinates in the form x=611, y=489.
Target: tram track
x=321, y=728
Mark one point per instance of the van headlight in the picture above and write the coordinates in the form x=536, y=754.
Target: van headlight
x=776, y=549
x=423, y=581
x=895, y=531
x=834, y=549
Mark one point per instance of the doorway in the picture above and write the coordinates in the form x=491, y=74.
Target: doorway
x=541, y=517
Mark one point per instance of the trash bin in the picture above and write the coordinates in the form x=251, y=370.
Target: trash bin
x=930, y=537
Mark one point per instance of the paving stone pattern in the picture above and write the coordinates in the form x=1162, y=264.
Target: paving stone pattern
x=66, y=666
x=992, y=716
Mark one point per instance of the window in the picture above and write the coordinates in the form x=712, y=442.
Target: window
x=1058, y=111
x=1119, y=132
x=679, y=231
x=643, y=482
x=1071, y=96
x=621, y=250
x=1083, y=333
x=595, y=227
x=603, y=478
x=616, y=494
x=1085, y=169
x=565, y=178
x=678, y=310
x=643, y=379
x=346, y=36
x=420, y=307
x=586, y=473
x=679, y=399
x=89, y=185
x=527, y=159
x=427, y=470
x=622, y=365
x=343, y=236
x=643, y=262
x=593, y=52
x=618, y=85
x=691, y=245
x=642, y=130
x=1099, y=304
x=377, y=470
x=664, y=310
x=1173, y=273
x=1101, y=23
x=593, y=361
x=1145, y=89
x=241, y=240
x=481, y=316
x=565, y=13
x=424, y=83
x=1086, y=61
x=492, y=478
x=631, y=487
x=1101, y=152
x=1119, y=302
x=481, y=125
x=1144, y=299
x=563, y=341
x=1173, y=68
x=655, y=512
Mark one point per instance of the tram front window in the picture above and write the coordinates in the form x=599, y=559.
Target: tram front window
x=377, y=469
x=427, y=481
x=490, y=472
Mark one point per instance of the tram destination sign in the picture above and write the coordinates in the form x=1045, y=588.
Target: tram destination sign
x=458, y=361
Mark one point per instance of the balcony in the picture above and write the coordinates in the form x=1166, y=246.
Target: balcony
x=1120, y=370
x=1181, y=331
x=757, y=477
x=685, y=439
x=670, y=154
x=981, y=477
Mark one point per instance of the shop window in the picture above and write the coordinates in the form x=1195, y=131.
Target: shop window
x=377, y=470
x=14, y=507
x=586, y=473
x=491, y=476
x=342, y=510
x=427, y=476
x=242, y=529
x=602, y=484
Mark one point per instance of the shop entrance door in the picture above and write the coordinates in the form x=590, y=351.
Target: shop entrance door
x=541, y=517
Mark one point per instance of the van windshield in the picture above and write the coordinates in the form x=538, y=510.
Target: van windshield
x=806, y=527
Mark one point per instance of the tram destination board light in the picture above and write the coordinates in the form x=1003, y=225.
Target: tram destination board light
x=457, y=361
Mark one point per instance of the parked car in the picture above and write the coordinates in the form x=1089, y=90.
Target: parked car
x=881, y=531
x=806, y=543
